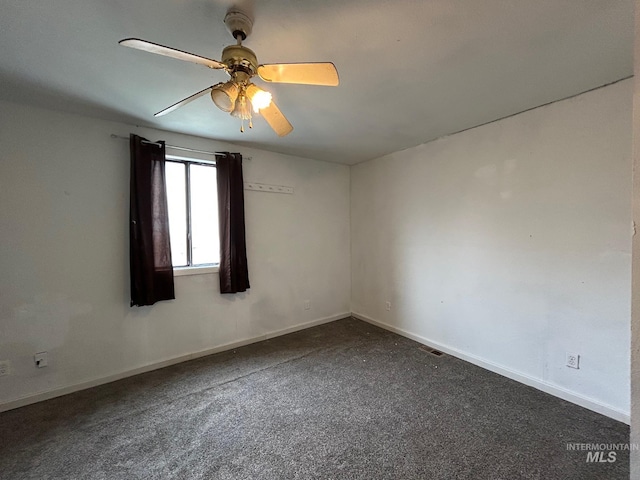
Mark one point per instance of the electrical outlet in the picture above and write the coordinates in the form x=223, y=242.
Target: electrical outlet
x=41, y=359
x=307, y=305
x=388, y=306
x=5, y=368
x=573, y=360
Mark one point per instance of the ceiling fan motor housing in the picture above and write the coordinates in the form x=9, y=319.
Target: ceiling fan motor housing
x=239, y=58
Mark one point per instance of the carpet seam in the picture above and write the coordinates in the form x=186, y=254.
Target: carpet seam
x=174, y=399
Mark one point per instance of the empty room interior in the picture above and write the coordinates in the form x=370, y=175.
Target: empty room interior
x=278, y=240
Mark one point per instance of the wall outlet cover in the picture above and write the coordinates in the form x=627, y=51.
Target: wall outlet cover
x=41, y=359
x=573, y=360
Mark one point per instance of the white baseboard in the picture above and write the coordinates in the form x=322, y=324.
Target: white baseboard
x=46, y=395
x=555, y=390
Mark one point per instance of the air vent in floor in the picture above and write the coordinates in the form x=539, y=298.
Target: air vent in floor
x=430, y=350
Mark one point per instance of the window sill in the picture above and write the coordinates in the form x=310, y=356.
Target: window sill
x=184, y=271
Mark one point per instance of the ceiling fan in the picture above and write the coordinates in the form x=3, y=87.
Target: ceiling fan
x=239, y=95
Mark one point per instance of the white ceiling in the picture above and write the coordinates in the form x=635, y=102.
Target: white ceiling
x=410, y=71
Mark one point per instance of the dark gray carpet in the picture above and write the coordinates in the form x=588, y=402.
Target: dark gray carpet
x=344, y=400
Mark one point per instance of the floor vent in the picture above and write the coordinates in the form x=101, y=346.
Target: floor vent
x=430, y=350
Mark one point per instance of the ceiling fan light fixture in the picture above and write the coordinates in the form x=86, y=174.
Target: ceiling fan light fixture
x=259, y=98
x=242, y=109
x=224, y=95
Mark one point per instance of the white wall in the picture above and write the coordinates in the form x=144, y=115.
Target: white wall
x=509, y=245
x=64, y=286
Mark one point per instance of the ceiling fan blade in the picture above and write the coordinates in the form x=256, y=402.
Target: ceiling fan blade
x=276, y=120
x=170, y=52
x=182, y=102
x=303, y=73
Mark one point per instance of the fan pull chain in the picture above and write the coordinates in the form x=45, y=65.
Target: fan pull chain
x=242, y=124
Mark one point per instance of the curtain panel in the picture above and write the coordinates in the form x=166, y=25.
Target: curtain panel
x=234, y=274
x=149, y=243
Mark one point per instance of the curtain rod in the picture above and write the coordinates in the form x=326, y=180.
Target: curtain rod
x=174, y=147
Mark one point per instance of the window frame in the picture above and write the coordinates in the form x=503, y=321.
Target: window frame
x=189, y=269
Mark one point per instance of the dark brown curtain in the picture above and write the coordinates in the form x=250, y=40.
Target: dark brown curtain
x=149, y=244
x=234, y=275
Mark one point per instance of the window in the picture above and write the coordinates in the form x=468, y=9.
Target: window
x=192, y=200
